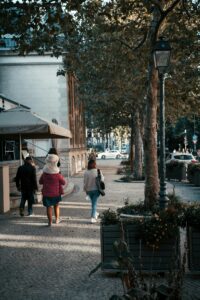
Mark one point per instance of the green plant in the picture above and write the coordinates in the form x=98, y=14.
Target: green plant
x=133, y=209
x=128, y=172
x=161, y=226
x=153, y=226
x=192, y=169
x=109, y=217
x=192, y=215
x=125, y=163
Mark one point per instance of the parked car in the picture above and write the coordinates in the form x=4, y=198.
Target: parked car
x=110, y=154
x=182, y=157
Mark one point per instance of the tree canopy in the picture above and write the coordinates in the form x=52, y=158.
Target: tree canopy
x=108, y=45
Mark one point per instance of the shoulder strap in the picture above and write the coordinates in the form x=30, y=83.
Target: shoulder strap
x=98, y=172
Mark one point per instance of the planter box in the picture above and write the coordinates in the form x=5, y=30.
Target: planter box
x=196, y=178
x=176, y=172
x=193, y=238
x=145, y=258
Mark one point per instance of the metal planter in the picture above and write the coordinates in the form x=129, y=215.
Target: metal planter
x=145, y=258
x=178, y=172
x=193, y=239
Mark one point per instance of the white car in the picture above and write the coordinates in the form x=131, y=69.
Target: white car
x=110, y=154
x=182, y=157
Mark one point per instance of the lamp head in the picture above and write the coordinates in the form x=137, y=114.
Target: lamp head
x=161, y=53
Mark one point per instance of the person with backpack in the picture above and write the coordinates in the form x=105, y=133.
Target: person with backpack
x=91, y=188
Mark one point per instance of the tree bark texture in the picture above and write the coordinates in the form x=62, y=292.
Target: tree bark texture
x=150, y=140
x=150, y=133
x=138, y=148
x=132, y=146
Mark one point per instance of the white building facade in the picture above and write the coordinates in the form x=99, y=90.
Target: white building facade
x=32, y=81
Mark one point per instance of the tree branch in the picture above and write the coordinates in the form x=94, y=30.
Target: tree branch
x=171, y=7
x=185, y=8
x=125, y=44
x=142, y=41
x=164, y=15
x=158, y=4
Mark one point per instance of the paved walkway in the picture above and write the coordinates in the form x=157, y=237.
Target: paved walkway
x=38, y=262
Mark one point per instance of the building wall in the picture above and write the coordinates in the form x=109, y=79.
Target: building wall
x=32, y=81
x=78, y=153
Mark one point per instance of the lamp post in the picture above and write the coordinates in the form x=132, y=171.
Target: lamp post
x=161, y=55
x=185, y=140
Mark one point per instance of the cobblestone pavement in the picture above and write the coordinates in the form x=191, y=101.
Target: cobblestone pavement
x=38, y=262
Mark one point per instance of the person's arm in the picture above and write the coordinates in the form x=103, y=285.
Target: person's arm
x=62, y=180
x=85, y=180
x=35, y=186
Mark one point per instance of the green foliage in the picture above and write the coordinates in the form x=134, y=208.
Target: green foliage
x=108, y=45
x=192, y=170
x=109, y=217
x=192, y=215
x=133, y=209
x=159, y=227
x=175, y=131
x=153, y=226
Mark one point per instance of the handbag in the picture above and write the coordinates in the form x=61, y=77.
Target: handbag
x=100, y=184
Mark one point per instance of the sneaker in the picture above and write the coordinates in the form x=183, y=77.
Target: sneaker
x=49, y=224
x=97, y=215
x=58, y=221
x=93, y=220
x=21, y=212
x=30, y=214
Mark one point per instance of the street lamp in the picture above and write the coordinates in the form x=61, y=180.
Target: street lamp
x=162, y=51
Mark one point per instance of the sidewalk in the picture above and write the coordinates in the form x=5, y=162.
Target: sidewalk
x=38, y=262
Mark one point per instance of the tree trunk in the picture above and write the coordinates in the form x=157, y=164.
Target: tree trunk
x=132, y=146
x=138, y=149
x=150, y=132
x=150, y=142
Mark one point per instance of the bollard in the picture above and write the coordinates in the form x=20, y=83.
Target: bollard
x=4, y=189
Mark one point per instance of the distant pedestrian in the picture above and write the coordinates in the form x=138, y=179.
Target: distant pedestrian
x=26, y=183
x=53, y=183
x=91, y=189
x=92, y=155
x=54, y=151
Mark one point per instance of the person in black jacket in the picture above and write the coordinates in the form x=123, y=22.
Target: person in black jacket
x=26, y=183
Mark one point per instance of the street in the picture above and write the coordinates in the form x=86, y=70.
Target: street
x=38, y=262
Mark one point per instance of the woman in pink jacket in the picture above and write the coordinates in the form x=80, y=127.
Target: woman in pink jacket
x=52, y=189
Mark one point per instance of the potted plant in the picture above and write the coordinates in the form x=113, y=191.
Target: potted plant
x=152, y=237
x=194, y=173
x=192, y=222
x=176, y=170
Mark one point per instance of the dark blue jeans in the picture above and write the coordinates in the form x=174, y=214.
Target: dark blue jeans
x=94, y=195
x=29, y=196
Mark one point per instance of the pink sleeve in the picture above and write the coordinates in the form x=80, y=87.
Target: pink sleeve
x=62, y=180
